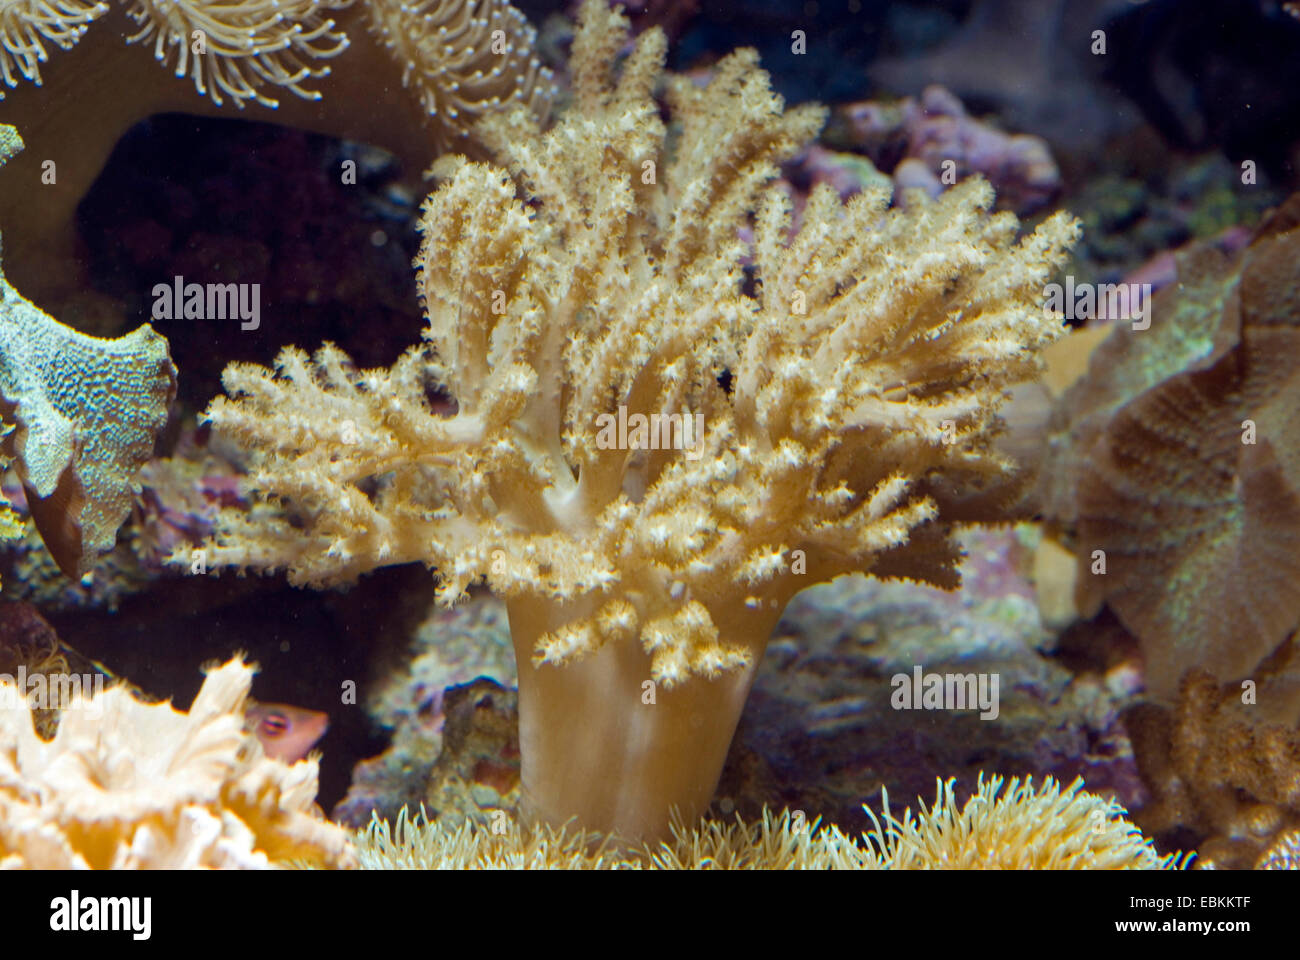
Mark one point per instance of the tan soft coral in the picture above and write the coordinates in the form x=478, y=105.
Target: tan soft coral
x=125, y=784
x=1025, y=828
x=26, y=26
x=254, y=48
x=846, y=403
x=248, y=45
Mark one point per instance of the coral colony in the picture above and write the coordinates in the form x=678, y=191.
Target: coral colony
x=709, y=394
x=634, y=573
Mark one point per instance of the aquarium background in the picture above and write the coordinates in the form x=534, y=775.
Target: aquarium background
x=1134, y=592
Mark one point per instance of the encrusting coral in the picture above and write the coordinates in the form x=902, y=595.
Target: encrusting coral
x=650, y=455
x=124, y=784
x=10, y=142
x=82, y=414
x=1224, y=764
x=11, y=524
x=1043, y=828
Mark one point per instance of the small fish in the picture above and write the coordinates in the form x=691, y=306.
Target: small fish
x=286, y=732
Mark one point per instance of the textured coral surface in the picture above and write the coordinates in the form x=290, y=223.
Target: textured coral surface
x=125, y=784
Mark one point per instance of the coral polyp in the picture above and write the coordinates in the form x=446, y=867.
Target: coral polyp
x=26, y=26
x=239, y=48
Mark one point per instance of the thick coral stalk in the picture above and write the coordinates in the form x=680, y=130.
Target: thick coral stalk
x=602, y=743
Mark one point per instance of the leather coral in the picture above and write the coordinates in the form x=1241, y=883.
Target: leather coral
x=331, y=66
x=673, y=411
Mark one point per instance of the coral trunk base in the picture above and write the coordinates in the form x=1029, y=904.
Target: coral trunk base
x=600, y=744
